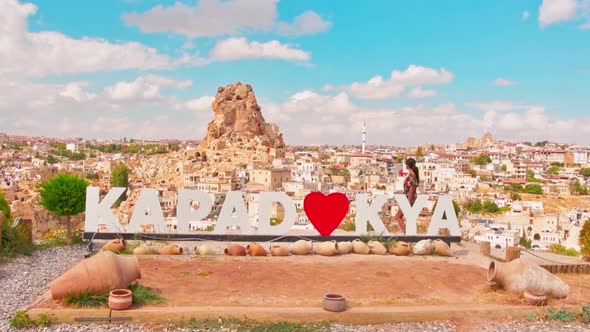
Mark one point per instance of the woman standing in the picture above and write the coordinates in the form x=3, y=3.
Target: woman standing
x=410, y=190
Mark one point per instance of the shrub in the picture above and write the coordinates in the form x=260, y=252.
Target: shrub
x=584, y=238
x=561, y=314
x=561, y=250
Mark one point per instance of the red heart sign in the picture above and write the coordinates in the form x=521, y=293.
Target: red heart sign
x=325, y=212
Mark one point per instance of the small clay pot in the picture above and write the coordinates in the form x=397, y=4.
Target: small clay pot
x=328, y=248
x=377, y=248
x=536, y=297
x=400, y=248
x=344, y=247
x=442, y=248
x=301, y=247
x=235, y=250
x=120, y=299
x=254, y=249
x=359, y=247
x=279, y=250
x=203, y=250
x=144, y=250
x=334, y=303
x=586, y=258
x=115, y=245
x=170, y=249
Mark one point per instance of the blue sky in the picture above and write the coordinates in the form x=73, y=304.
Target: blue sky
x=415, y=71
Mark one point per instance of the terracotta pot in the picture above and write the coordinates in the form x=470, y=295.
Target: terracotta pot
x=279, y=250
x=520, y=275
x=120, y=299
x=203, y=250
x=254, y=249
x=102, y=272
x=400, y=248
x=334, y=303
x=359, y=247
x=344, y=247
x=144, y=250
x=376, y=248
x=301, y=247
x=424, y=247
x=170, y=249
x=115, y=245
x=586, y=258
x=535, y=297
x=235, y=250
x=328, y=248
x=442, y=248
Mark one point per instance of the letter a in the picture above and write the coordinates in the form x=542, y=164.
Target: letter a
x=444, y=206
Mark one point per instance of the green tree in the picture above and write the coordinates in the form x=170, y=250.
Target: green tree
x=120, y=178
x=585, y=171
x=504, y=168
x=584, y=238
x=533, y=188
x=4, y=207
x=52, y=160
x=553, y=170
x=482, y=160
x=490, y=207
x=64, y=195
x=419, y=153
x=576, y=188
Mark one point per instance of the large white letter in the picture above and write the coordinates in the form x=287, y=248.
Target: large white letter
x=411, y=212
x=184, y=213
x=100, y=212
x=147, y=212
x=233, y=201
x=444, y=206
x=370, y=213
x=264, y=213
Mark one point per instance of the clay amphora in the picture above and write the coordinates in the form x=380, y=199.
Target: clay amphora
x=520, y=275
x=328, y=248
x=301, y=247
x=102, y=272
x=377, y=248
x=400, y=248
x=279, y=250
x=170, y=249
x=344, y=247
x=254, y=249
x=115, y=245
x=120, y=299
x=442, y=248
x=235, y=250
x=359, y=247
x=144, y=250
x=424, y=247
x=203, y=250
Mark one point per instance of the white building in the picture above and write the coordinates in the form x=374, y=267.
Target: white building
x=500, y=238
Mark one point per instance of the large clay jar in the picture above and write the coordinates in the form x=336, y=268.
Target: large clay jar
x=520, y=275
x=279, y=250
x=120, y=299
x=170, y=249
x=424, y=247
x=442, y=248
x=102, y=272
x=235, y=250
x=301, y=247
x=203, y=250
x=115, y=245
x=334, y=303
x=144, y=250
x=344, y=247
x=254, y=249
x=359, y=247
x=400, y=248
x=328, y=248
x=377, y=248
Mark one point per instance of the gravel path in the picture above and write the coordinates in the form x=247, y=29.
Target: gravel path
x=23, y=279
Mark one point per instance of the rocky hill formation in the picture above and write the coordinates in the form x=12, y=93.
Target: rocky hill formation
x=238, y=127
x=486, y=140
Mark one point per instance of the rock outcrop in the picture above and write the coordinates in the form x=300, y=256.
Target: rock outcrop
x=238, y=122
x=486, y=140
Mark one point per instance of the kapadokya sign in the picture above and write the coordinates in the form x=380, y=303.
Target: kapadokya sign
x=325, y=212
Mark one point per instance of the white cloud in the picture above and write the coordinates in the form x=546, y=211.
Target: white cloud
x=380, y=88
x=199, y=104
x=75, y=90
x=498, y=105
x=418, y=92
x=525, y=15
x=52, y=53
x=143, y=88
x=307, y=23
x=241, y=48
x=208, y=18
x=503, y=82
x=554, y=11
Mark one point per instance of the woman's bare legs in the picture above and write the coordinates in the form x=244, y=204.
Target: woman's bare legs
x=399, y=217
